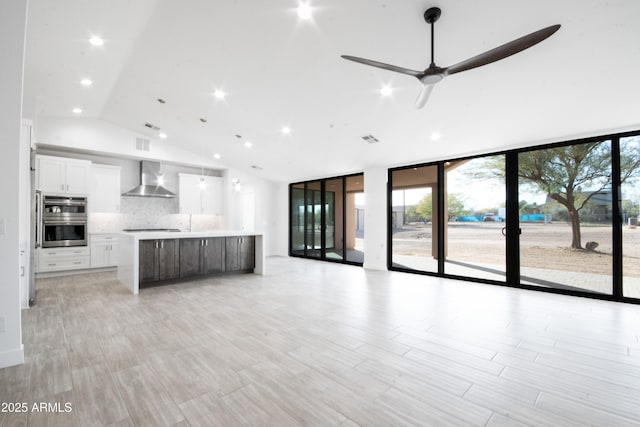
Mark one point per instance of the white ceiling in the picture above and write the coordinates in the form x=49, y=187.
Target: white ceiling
x=278, y=70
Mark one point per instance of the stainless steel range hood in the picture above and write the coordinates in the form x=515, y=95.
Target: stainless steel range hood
x=149, y=182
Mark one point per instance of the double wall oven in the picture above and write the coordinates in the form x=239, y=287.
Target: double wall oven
x=62, y=221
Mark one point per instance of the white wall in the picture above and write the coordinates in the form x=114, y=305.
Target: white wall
x=12, y=38
x=375, y=219
x=280, y=220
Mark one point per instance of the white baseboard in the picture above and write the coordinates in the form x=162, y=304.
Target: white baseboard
x=374, y=266
x=12, y=357
x=47, y=274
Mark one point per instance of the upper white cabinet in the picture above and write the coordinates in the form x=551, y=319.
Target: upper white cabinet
x=60, y=175
x=104, y=188
x=200, y=194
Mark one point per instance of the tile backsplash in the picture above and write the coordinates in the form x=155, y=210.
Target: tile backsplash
x=150, y=212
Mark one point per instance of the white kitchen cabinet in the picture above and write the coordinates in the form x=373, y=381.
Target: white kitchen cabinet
x=59, y=175
x=62, y=259
x=200, y=194
x=104, y=250
x=104, y=189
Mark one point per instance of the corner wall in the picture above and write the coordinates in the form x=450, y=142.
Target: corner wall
x=12, y=39
x=268, y=214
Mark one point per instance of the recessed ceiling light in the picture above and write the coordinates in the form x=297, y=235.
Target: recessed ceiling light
x=86, y=82
x=248, y=144
x=219, y=94
x=386, y=90
x=304, y=11
x=286, y=130
x=77, y=110
x=162, y=135
x=96, y=41
x=435, y=136
x=216, y=156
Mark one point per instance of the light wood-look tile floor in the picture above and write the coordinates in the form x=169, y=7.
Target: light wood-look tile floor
x=322, y=344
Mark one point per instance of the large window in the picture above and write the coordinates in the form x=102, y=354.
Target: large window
x=327, y=219
x=563, y=218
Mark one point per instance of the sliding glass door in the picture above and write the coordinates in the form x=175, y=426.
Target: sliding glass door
x=326, y=221
x=475, y=207
x=630, y=213
x=562, y=217
x=566, y=217
x=334, y=230
x=354, y=218
x=413, y=222
x=297, y=220
x=313, y=219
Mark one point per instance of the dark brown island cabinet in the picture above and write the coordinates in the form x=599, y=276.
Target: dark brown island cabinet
x=159, y=260
x=240, y=253
x=202, y=256
x=168, y=259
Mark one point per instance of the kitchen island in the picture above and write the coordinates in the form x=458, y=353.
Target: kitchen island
x=159, y=256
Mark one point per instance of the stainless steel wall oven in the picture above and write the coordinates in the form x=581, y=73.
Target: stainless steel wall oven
x=63, y=221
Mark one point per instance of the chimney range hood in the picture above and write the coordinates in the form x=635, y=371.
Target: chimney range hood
x=149, y=182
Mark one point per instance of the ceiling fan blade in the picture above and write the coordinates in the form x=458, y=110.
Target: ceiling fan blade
x=503, y=51
x=423, y=96
x=382, y=65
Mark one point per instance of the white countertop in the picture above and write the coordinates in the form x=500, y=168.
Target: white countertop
x=153, y=235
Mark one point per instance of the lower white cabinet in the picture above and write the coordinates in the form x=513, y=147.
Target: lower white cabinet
x=104, y=250
x=61, y=259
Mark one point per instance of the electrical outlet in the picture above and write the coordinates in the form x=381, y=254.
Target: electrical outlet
x=1, y=324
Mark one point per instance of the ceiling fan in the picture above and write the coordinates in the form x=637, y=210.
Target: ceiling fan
x=432, y=75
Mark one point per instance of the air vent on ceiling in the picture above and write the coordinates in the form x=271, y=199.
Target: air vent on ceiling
x=370, y=139
x=152, y=126
x=143, y=144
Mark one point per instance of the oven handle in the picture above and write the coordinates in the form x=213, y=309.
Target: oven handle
x=39, y=223
x=66, y=202
x=63, y=222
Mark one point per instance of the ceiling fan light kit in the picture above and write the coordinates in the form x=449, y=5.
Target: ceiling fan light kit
x=434, y=74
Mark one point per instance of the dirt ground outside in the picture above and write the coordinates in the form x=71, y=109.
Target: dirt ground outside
x=541, y=246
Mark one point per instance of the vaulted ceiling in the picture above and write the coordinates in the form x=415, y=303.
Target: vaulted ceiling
x=278, y=70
